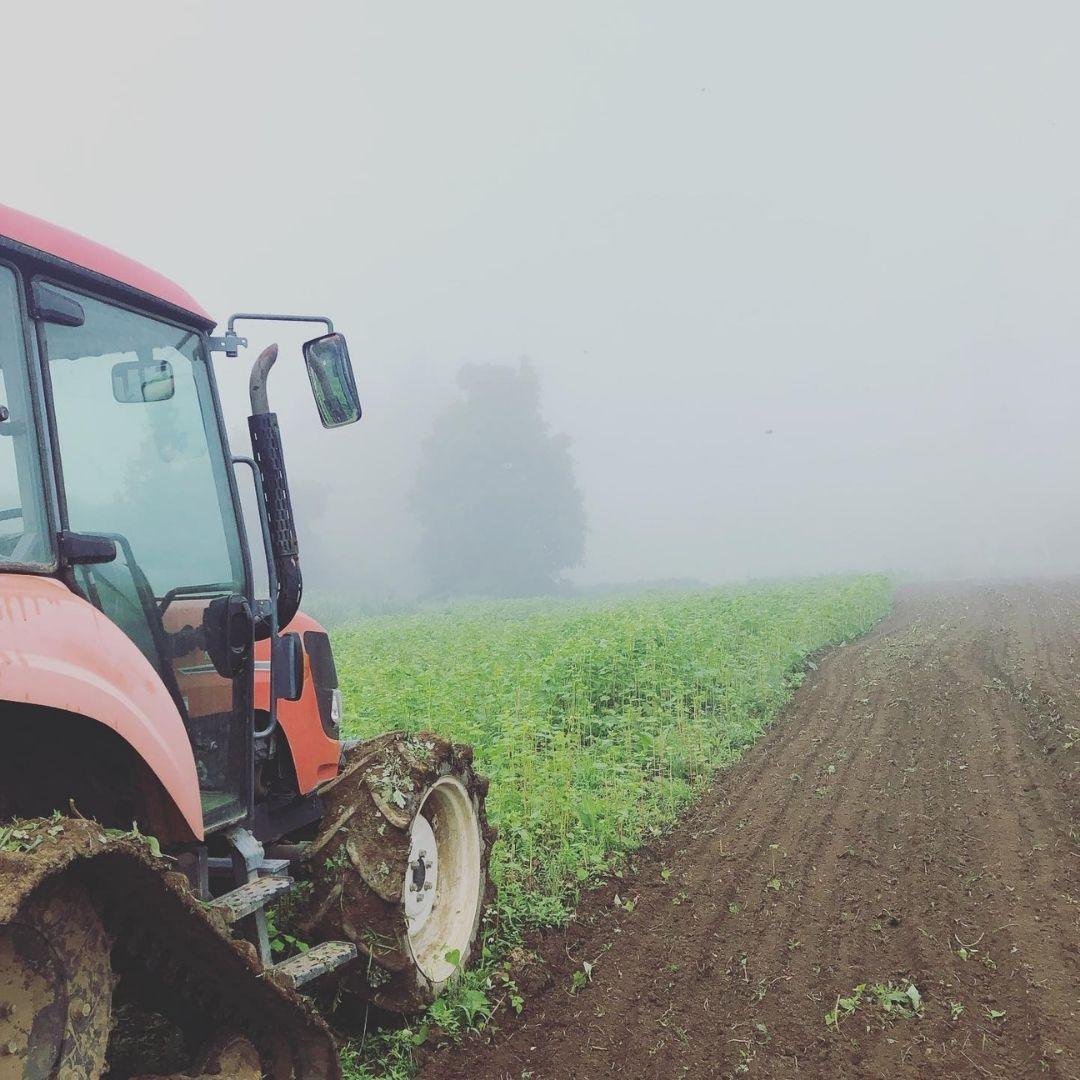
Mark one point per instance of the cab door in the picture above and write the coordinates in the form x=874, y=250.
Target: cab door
x=142, y=461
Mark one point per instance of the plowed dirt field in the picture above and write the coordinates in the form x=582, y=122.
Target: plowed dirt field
x=912, y=820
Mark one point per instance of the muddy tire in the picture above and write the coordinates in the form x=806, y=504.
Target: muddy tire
x=56, y=986
x=90, y=923
x=230, y=1056
x=400, y=868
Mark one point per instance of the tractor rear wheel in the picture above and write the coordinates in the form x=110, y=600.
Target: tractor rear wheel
x=230, y=1056
x=98, y=932
x=400, y=867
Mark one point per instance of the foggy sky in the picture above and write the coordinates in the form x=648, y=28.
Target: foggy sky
x=799, y=278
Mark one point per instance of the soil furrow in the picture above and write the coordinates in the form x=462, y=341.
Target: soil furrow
x=910, y=821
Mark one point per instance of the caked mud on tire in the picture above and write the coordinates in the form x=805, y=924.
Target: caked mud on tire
x=56, y=986
x=92, y=910
x=400, y=867
x=229, y=1056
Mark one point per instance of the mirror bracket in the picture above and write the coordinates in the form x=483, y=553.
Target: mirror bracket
x=230, y=344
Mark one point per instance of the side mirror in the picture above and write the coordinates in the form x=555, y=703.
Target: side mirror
x=331, y=374
x=287, y=666
x=135, y=382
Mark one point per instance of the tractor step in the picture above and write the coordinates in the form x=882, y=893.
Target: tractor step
x=247, y=899
x=219, y=867
x=318, y=960
x=274, y=868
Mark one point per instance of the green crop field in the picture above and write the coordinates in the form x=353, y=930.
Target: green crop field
x=597, y=722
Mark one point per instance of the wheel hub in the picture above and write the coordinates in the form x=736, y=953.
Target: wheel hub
x=423, y=874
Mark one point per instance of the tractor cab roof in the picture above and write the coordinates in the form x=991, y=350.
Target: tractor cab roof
x=55, y=244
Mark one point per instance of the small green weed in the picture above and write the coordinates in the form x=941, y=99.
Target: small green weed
x=897, y=1002
x=845, y=1007
x=282, y=942
x=580, y=979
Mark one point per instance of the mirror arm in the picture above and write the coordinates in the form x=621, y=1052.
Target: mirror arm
x=270, y=317
x=231, y=342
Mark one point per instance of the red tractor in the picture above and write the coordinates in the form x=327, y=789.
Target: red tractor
x=185, y=839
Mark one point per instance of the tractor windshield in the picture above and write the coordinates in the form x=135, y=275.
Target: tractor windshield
x=143, y=461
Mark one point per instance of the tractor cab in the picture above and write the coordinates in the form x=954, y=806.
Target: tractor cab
x=151, y=703
x=116, y=476
x=146, y=476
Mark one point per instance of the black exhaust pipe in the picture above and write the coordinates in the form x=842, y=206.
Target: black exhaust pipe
x=270, y=457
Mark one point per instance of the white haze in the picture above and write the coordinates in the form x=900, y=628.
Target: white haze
x=800, y=278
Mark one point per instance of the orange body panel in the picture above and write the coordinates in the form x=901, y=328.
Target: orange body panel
x=315, y=755
x=58, y=651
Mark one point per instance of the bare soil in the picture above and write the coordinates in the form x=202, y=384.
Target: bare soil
x=913, y=818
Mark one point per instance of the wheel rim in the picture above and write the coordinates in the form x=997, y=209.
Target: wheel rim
x=443, y=883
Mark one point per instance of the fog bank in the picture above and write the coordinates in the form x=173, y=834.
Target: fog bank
x=799, y=281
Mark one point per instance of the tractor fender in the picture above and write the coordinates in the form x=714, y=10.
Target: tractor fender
x=58, y=651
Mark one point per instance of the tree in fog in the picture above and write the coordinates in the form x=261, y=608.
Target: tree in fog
x=500, y=513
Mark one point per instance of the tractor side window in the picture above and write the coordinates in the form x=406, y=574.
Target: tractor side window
x=25, y=539
x=139, y=447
